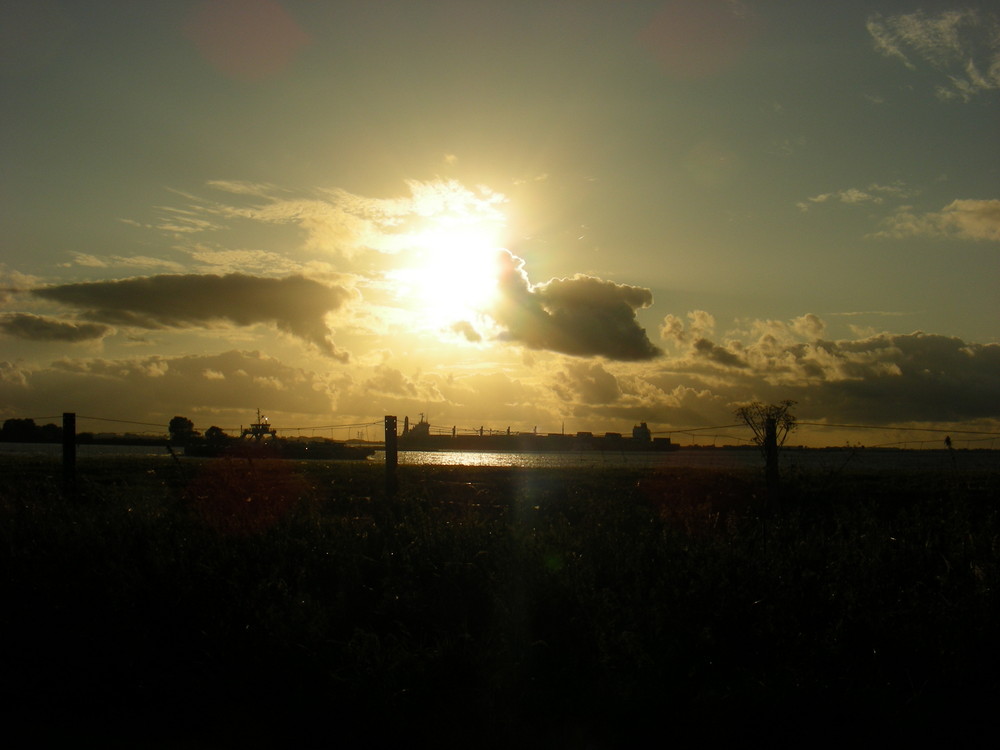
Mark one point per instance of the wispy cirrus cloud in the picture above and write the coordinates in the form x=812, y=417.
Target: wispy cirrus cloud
x=218, y=259
x=335, y=222
x=178, y=221
x=125, y=261
x=962, y=44
x=243, y=187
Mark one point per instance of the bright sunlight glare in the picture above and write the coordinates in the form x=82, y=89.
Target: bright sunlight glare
x=454, y=274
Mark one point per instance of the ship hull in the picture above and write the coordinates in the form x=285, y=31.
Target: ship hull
x=531, y=444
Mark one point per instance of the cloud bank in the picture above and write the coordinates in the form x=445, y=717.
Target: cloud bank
x=880, y=379
x=217, y=389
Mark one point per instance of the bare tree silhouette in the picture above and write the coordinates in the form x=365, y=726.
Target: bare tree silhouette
x=771, y=425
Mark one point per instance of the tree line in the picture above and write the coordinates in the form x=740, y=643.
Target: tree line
x=26, y=431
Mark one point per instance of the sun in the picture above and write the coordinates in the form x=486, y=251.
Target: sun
x=455, y=269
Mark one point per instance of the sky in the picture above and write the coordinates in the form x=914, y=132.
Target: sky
x=551, y=216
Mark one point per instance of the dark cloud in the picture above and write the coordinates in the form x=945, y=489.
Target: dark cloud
x=40, y=328
x=583, y=316
x=465, y=328
x=587, y=383
x=718, y=354
x=294, y=304
x=390, y=381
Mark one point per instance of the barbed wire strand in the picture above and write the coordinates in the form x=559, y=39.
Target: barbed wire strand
x=891, y=427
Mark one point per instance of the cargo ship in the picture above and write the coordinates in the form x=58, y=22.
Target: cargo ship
x=419, y=438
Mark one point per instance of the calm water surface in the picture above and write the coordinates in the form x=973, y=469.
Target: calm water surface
x=790, y=460
x=82, y=451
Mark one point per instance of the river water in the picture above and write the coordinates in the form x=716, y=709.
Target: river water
x=808, y=460
x=811, y=461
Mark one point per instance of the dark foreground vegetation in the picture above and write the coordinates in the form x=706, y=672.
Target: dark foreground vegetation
x=221, y=603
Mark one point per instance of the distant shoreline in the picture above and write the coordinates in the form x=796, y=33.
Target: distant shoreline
x=821, y=461
x=380, y=445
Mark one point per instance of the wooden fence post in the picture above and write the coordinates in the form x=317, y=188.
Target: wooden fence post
x=69, y=450
x=771, y=453
x=391, y=457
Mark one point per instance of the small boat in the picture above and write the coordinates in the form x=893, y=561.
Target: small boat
x=260, y=440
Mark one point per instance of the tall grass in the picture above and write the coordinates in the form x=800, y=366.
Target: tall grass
x=238, y=603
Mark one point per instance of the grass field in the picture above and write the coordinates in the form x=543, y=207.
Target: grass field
x=216, y=603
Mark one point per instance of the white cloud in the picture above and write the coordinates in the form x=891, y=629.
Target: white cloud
x=700, y=324
x=12, y=375
x=961, y=219
x=12, y=282
x=968, y=219
x=874, y=193
x=809, y=326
